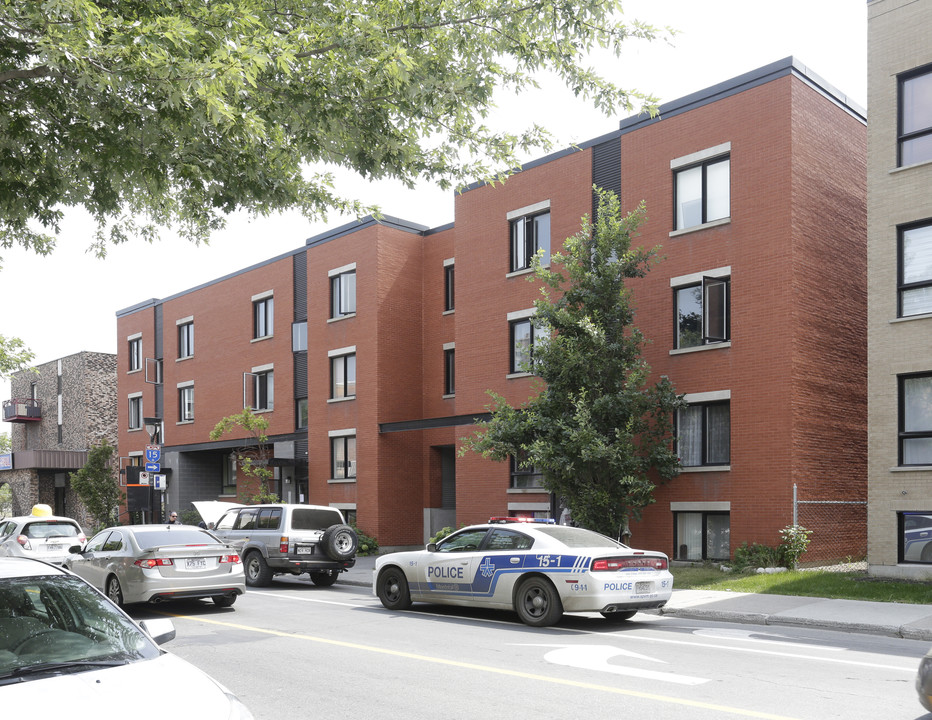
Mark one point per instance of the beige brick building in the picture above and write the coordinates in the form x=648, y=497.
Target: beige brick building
x=899, y=182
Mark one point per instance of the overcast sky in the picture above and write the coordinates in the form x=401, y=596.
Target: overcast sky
x=67, y=303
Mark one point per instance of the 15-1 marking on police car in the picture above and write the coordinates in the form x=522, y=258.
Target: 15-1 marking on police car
x=548, y=560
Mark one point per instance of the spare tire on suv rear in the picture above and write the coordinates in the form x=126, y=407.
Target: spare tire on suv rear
x=339, y=542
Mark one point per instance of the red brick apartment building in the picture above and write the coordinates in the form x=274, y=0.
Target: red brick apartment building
x=370, y=349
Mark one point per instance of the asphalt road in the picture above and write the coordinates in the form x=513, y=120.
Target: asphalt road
x=295, y=651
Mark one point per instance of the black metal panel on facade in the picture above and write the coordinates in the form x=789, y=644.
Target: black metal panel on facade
x=300, y=374
x=299, y=261
x=159, y=353
x=606, y=169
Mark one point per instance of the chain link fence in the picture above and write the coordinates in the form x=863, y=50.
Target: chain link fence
x=839, y=529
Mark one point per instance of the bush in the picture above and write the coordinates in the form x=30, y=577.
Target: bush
x=368, y=545
x=755, y=555
x=794, y=543
x=441, y=534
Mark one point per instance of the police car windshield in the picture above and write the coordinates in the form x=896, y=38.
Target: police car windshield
x=577, y=537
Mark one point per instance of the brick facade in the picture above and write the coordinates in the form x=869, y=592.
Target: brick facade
x=792, y=370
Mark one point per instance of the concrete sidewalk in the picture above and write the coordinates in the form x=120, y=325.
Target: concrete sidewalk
x=913, y=622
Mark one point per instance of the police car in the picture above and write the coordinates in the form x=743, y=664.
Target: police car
x=537, y=568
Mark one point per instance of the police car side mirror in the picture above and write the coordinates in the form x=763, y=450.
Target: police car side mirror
x=432, y=547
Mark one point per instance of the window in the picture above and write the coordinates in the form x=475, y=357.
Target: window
x=259, y=389
x=702, y=312
x=343, y=457
x=135, y=412
x=262, y=317
x=524, y=474
x=135, y=354
x=915, y=532
x=299, y=336
x=702, y=535
x=185, y=339
x=343, y=376
x=703, y=434
x=915, y=419
x=524, y=336
x=448, y=286
x=228, y=476
x=915, y=270
x=449, y=371
x=529, y=235
x=915, y=111
x=343, y=293
x=301, y=413
x=702, y=192
x=186, y=403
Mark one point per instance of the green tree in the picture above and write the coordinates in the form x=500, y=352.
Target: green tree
x=14, y=355
x=97, y=484
x=596, y=430
x=253, y=459
x=154, y=114
x=6, y=444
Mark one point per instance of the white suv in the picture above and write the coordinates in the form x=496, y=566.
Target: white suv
x=285, y=538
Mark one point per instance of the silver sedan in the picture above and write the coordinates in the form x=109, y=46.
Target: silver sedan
x=154, y=563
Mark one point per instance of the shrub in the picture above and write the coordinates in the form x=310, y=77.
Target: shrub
x=368, y=545
x=440, y=534
x=755, y=555
x=794, y=543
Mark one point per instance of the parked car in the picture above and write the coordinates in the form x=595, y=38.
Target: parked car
x=153, y=563
x=917, y=537
x=40, y=535
x=288, y=538
x=539, y=569
x=67, y=651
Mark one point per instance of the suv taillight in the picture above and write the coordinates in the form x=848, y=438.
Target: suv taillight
x=283, y=545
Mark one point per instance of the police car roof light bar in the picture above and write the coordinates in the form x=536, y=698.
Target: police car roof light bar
x=544, y=521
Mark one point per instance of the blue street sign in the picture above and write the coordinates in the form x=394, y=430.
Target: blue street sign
x=153, y=453
x=153, y=467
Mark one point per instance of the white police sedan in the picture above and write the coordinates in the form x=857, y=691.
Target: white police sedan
x=539, y=569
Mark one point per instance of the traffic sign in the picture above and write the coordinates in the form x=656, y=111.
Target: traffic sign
x=143, y=478
x=160, y=482
x=153, y=453
x=153, y=467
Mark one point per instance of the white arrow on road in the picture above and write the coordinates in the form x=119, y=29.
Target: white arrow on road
x=598, y=657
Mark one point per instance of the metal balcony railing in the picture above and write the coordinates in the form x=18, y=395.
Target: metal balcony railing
x=22, y=410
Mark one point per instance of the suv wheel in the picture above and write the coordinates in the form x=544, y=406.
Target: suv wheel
x=339, y=542
x=257, y=570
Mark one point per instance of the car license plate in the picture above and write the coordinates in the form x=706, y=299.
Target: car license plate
x=53, y=548
x=304, y=549
x=640, y=588
x=195, y=564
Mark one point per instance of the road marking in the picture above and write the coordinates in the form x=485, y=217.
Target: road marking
x=757, y=636
x=596, y=657
x=492, y=670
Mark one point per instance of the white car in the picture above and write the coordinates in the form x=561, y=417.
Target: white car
x=539, y=569
x=67, y=651
x=40, y=535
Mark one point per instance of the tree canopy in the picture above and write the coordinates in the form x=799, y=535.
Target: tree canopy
x=156, y=114
x=97, y=485
x=596, y=430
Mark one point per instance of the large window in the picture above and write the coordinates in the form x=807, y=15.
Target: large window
x=915, y=111
x=263, y=317
x=702, y=536
x=701, y=312
x=259, y=389
x=343, y=457
x=186, y=403
x=703, y=434
x=299, y=336
x=525, y=475
x=915, y=270
x=529, y=235
x=523, y=338
x=703, y=192
x=185, y=339
x=343, y=376
x=135, y=413
x=448, y=286
x=915, y=420
x=300, y=420
x=449, y=371
x=228, y=475
x=134, y=348
x=343, y=293
x=915, y=537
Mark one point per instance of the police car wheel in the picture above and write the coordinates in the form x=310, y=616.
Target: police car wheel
x=620, y=616
x=392, y=589
x=537, y=602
